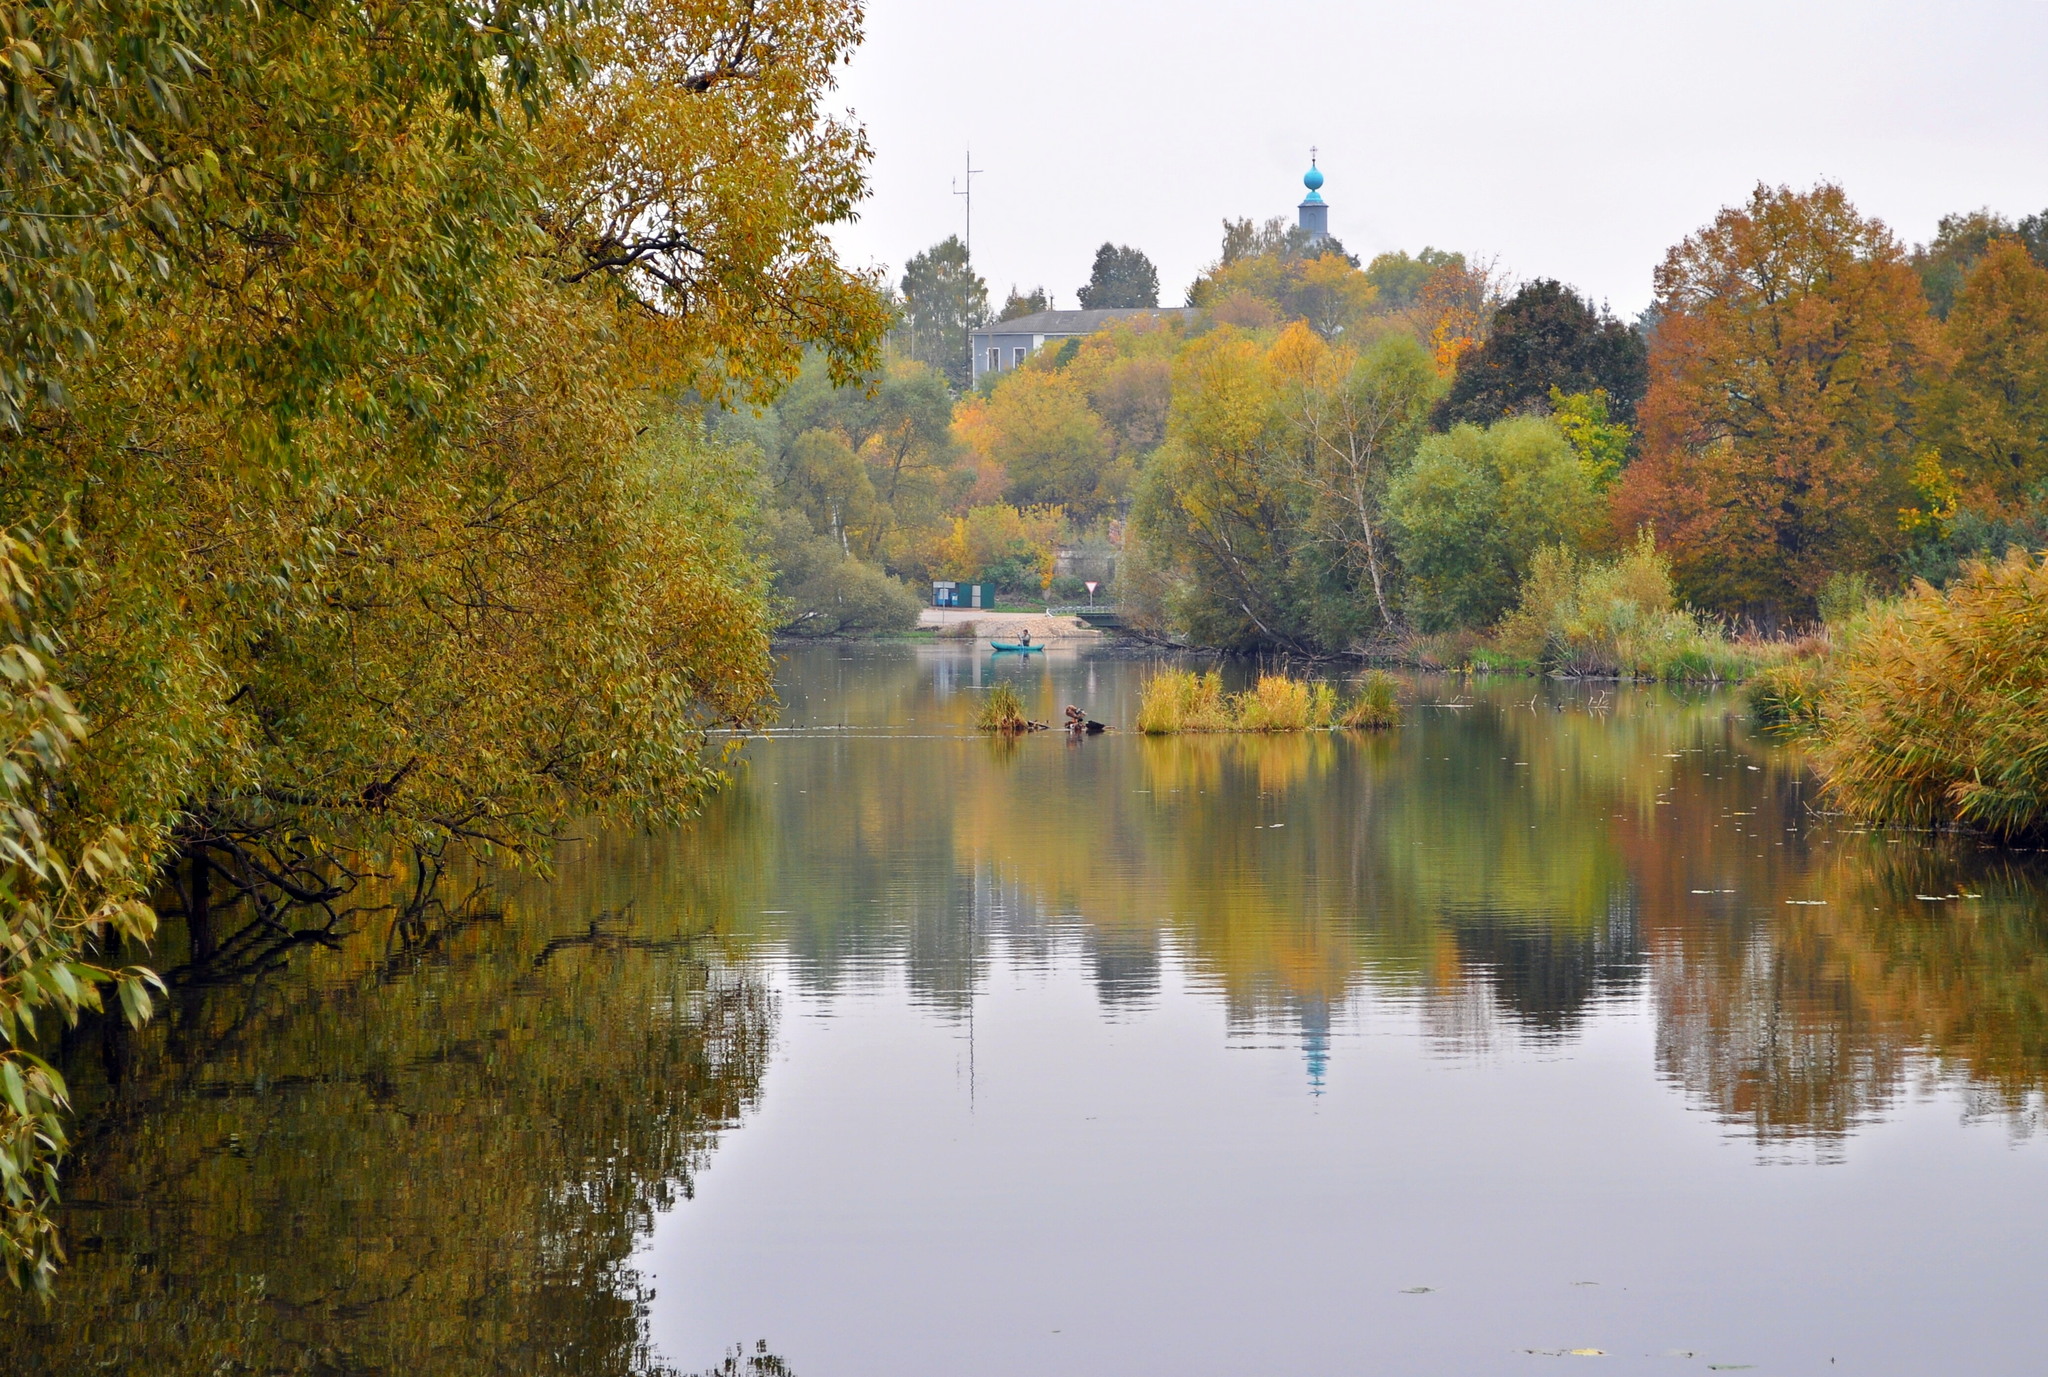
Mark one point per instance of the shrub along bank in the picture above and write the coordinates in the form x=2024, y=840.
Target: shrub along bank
x=1931, y=712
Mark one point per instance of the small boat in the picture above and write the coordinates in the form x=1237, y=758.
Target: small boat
x=1014, y=646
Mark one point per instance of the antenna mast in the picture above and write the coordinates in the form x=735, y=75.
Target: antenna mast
x=968, y=192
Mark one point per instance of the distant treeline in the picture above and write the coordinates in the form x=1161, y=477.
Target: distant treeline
x=1328, y=455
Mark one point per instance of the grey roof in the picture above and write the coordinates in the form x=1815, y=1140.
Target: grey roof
x=1073, y=322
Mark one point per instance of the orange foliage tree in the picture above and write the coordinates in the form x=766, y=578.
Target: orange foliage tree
x=1991, y=420
x=1793, y=343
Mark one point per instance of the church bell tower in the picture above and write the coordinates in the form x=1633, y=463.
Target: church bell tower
x=1315, y=212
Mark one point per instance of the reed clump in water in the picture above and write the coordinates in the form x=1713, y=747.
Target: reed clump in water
x=1176, y=700
x=1279, y=703
x=1375, y=708
x=1002, y=711
x=1179, y=700
x=1786, y=699
x=1935, y=711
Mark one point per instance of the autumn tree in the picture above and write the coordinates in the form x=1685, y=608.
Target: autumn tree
x=1454, y=309
x=1546, y=336
x=1961, y=240
x=943, y=301
x=1275, y=273
x=1358, y=417
x=1217, y=510
x=1982, y=486
x=1990, y=419
x=1009, y=546
x=1019, y=304
x=1791, y=347
x=346, y=393
x=1048, y=440
x=1122, y=277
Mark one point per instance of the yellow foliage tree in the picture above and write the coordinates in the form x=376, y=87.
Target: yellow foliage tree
x=1007, y=545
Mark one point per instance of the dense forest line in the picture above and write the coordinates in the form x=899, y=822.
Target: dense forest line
x=1326, y=456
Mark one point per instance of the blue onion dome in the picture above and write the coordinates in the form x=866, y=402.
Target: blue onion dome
x=1313, y=178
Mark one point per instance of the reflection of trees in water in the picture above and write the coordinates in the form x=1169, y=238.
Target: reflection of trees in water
x=1546, y=976
x=1807, y=1022
x=1772, y=1043
x=1124, y=964
x=1503, y=868
x=438, y=1161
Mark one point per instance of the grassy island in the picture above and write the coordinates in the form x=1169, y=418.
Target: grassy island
x=1177, y=701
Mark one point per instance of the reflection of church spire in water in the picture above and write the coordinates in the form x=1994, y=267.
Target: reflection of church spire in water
x=1315, y=1040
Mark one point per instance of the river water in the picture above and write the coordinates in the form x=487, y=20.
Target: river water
x=1559, y=1026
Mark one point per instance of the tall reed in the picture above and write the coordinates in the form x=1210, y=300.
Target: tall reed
x=1937, y=712
x=1176, y=700
x=1375, y=708
x=1001, y=710
x=1179, y=700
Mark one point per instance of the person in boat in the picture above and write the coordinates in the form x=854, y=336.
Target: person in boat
x=1025, y=639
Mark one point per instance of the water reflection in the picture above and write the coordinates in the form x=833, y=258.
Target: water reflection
x=1512, y=860
x=445, y=1159
x=439, y=1160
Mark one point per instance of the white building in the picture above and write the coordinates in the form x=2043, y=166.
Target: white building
x=1004, y=344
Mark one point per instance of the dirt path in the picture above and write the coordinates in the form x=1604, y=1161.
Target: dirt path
x=1008, y=626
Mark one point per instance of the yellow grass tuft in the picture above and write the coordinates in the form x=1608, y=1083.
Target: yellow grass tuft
x=1375, y=708
x=1001, y=711
x=1176, y=700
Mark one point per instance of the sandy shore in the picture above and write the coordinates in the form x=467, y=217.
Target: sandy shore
x=1008, y=626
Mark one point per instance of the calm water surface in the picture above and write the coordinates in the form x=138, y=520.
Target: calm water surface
x=1558, y=1019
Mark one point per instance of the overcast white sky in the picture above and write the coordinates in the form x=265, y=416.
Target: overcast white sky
x=1575, y=139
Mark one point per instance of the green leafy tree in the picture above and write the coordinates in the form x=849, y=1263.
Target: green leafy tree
x=821, y=477
x=1122, y=276
x=1472, y=509
x=1398, y=277
x=1546, y=337
x=942, y=302
x=1603, y=444
x=821, y=590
